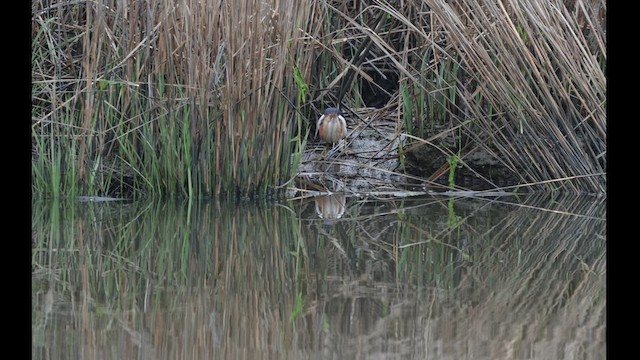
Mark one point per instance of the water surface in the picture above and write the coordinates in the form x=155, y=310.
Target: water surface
x=332, y=278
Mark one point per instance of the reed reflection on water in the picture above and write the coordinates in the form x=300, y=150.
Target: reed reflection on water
x=338, y=277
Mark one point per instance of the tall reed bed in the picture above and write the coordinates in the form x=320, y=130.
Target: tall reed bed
x=202, y=98
x=154, y=98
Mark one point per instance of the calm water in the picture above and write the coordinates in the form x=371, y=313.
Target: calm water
x=329, y=278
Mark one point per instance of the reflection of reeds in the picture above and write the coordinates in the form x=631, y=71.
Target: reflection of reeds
x=175, y=279
x=509, y=272
x=185, y=279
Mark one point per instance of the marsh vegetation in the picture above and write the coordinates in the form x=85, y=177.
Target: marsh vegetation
x=215, y=98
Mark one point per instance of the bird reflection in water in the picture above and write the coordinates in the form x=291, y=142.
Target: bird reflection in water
x=330, y=207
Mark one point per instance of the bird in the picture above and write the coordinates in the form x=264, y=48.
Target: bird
x=331, y=126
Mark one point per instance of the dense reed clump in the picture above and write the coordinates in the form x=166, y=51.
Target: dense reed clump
x=156, y=98
x=533, y=85
x=210, y=97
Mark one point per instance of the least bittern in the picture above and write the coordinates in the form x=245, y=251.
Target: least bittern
x=332, y=126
